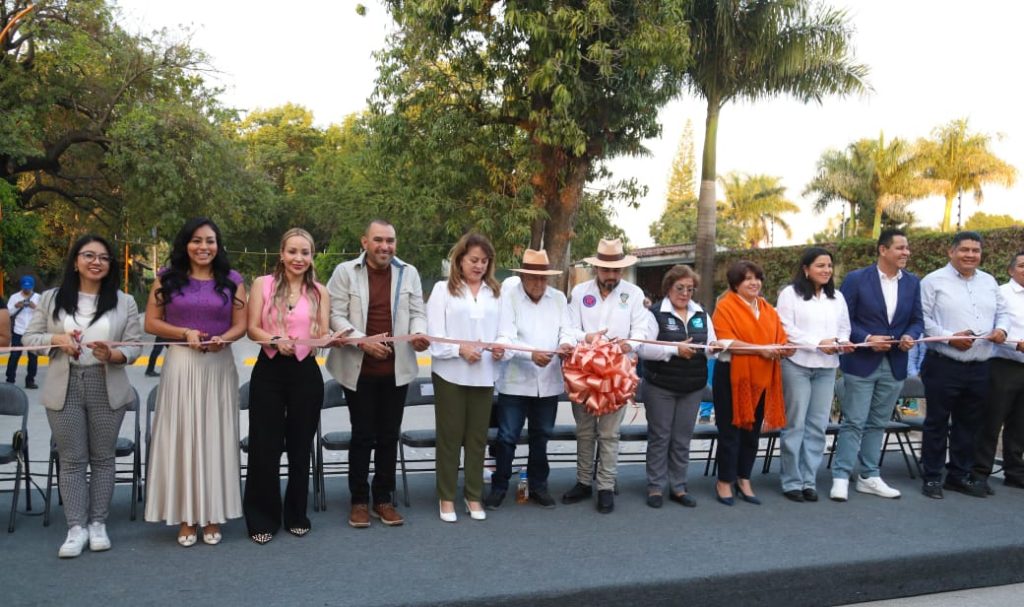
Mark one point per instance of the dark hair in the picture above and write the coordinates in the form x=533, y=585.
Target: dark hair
x=67, y=292
x=738, y=271
x=886, y=237
x=377, y=221
x=677, y=273
x=802, y=284
x=1013, y=260
x=175, y=276
x=965, y=235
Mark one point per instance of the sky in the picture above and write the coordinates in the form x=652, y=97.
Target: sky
x=931, y=61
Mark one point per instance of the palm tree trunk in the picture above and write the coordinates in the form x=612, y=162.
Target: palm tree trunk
x=705, y=248
x=876, y=229
x=947, y=216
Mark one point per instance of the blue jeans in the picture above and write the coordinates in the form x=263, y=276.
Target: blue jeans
x=512, y=412
x=867, y=405
x=808, y=393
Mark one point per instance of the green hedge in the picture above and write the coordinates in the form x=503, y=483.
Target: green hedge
x=928, y=252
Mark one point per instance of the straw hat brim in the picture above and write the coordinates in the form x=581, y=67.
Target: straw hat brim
x=625, y=262
x=538, y=272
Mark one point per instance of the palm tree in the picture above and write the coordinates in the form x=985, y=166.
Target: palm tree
x=758, y=49
x=897, y=175
x=756, y=203
x=842, y=178
x=874, y=177
x=962, y=162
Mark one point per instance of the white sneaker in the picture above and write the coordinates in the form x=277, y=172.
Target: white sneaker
x=840, y=489
x=876, y=486
x=98, y=540
x=75, y=542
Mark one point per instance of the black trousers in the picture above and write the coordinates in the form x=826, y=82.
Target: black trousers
x=956, y=393
x=158, y=347
x=285, y=396
x=737, y=448
x=1003, y=411
x=375, y=409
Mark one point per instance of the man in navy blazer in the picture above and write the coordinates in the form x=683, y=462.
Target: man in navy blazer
x=884, y=301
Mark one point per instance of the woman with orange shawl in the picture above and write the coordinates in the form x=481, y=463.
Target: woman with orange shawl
x=748, y=378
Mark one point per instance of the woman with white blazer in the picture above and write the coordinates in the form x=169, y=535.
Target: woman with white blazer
x=86, y=387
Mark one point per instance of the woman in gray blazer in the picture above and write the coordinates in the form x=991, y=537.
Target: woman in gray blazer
x=86, y=388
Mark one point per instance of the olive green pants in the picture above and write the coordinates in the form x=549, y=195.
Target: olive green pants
x=461, y=416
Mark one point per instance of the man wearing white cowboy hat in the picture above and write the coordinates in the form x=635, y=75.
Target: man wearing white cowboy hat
x=537, y=316
x=611, y=307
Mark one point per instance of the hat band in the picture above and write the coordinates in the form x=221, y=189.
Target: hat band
x=607, y=257
x=536, y=266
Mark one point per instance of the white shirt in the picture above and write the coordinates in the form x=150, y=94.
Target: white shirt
x=1013, y=293
x=462, y=317
x=544, y=325
x=664, y=353
x=809, y=321
x=952, y=302
x=20, y=324
x=890, y=291
x=622, y=312
x=98, y=331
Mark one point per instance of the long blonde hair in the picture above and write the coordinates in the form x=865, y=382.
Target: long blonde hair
x=279, y=298
x=455, y=277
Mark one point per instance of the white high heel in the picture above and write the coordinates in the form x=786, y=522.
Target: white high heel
x=448, y=517
x=476, y=515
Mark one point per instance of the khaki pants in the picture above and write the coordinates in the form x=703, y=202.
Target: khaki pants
x=597, y=433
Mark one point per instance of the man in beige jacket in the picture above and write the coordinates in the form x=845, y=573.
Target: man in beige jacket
x=373, y=294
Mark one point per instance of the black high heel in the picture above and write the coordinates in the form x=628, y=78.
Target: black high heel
x=728, y=501
x=750, y=499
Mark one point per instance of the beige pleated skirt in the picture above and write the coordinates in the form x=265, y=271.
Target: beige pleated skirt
x=194, y=460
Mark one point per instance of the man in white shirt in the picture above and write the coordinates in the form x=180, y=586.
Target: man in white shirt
x=22, y=306
x=611, y=307
x=960, y=302
x=1004, y=408
x=537, y=316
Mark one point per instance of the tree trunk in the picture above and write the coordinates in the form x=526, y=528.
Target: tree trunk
x=558, y=189
x=876, y=228
x=705, y=247
x=947, y=215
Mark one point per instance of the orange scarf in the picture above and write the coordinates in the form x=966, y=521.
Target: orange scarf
x=751, y=374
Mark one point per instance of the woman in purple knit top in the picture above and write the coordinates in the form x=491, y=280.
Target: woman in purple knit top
x=194, y=461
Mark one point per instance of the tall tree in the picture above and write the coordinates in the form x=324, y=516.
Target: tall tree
x=844, y=177
x=897, y=175
x=678, y=222
x=118, y=127
x=758, y=49
x=581, y=80
x=962, y=162
x=756, y=205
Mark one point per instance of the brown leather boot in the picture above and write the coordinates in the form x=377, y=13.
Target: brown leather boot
x=387, y=514
x=360, y=516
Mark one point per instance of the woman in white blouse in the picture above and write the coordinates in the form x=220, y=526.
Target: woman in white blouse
x=465, y=307
x=813, y=312
x=86, y=387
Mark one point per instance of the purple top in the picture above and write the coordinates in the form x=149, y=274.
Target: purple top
x=199, y=306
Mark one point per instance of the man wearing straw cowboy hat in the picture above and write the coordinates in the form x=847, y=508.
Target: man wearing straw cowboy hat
x=537, y=316
x=608, y=306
